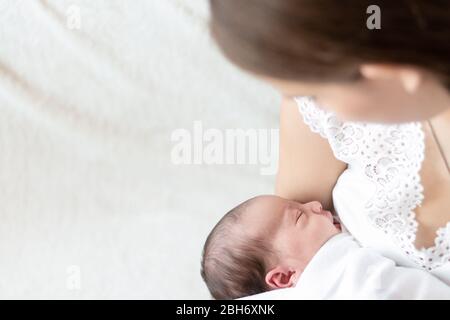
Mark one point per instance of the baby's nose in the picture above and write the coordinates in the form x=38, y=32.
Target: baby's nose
x=316, y=206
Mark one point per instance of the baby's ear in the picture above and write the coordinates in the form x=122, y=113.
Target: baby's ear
x=281, y=277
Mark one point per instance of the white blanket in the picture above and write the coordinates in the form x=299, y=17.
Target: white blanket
x=342, y=269
x=91, y=205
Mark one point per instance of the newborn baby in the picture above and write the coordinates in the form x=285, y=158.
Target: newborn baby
x=263, y=244
x=267, y=242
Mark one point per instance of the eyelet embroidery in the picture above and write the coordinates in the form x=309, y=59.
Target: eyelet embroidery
x=391, y=156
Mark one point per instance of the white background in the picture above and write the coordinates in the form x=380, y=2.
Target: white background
x=86, y=116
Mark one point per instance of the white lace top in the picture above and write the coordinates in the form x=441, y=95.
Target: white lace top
x=376, y=195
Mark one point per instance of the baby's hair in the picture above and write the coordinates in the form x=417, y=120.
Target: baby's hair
x=234, y=264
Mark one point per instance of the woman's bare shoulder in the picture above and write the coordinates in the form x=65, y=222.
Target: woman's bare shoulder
x=308, y=169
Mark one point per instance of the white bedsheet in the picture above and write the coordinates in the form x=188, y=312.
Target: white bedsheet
x=91, y=205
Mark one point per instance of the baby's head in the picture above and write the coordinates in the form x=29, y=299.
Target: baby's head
x=263, y=244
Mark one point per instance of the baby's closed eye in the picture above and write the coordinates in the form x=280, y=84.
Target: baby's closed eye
x=299, y=214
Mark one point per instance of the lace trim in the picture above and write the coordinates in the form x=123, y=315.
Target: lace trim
x=391, y=156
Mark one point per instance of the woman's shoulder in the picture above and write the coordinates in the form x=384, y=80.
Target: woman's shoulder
x=312, y=115
x=359, y=141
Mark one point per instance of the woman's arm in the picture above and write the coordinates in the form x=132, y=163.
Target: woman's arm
x=307, y=169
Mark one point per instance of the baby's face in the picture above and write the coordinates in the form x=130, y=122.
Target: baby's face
x=296, y=230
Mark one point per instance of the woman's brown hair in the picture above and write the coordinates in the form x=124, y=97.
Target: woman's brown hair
x=327, y=40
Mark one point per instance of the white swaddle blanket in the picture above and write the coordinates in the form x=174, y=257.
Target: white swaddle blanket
x=342, y=269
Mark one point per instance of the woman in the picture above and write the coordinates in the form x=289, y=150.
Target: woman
x=379, y=97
